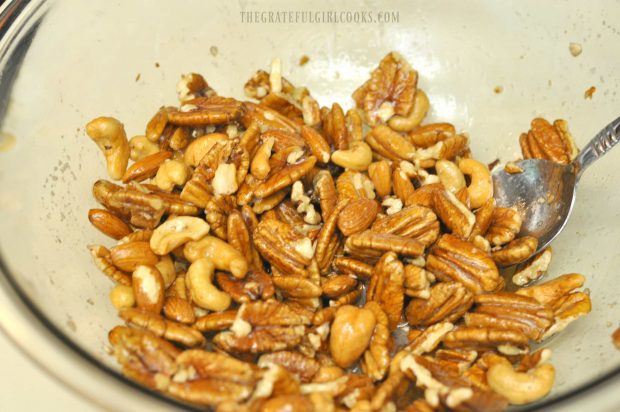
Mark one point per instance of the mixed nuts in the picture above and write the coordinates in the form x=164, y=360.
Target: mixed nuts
x=278, y=255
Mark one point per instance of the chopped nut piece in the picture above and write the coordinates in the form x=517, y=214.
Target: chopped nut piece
x=512, y=168
x=616, y=338
x=574, y=48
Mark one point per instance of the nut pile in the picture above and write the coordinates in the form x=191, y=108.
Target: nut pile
x=277, y=255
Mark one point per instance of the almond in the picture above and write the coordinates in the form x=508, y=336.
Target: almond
x=148, y=288
x=179, y=310
x=130, y=255
x=108, y=223
x=357, y=216
x=146, y=167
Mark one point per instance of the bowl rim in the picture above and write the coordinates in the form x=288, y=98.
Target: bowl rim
x=30, y=330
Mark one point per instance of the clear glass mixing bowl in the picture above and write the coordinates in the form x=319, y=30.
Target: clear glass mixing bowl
x=65, y=62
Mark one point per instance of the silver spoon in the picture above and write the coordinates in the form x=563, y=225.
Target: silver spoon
x=544, y=193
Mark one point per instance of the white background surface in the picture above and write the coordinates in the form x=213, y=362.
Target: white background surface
x=25, y=387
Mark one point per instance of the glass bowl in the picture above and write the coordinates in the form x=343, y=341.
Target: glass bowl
x=488, y=67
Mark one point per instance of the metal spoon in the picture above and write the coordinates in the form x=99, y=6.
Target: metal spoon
x=544, y=193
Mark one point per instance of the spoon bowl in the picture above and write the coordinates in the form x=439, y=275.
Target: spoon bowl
x=544, y=192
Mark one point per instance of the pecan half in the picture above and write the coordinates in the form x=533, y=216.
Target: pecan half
x=335, y=127
x=161, y=327
x=217, y=209
x=429, y=134
x=449, y=389
x=103, y=261
x=381, y=175
x=373, y=244
x=508, y=342
x=208, y=378
x=561, y=295
x=453, y=213
x=284, y=177
x=550, y=142
x=263, y=327
x=417, y=222
x=283, y=247
x=516, y=251
x=143, y=210
x=353, y=266
x=325, y=190
x=328, y=240
x=255, y=285
x=143, y=356
x=302, y=366
x=484, y=217
x=212, y=110
x=418, y=282
x=453, y=259
x=448, y=301
x=376, y=360
x=394, y=82
x=511, y=312
x=505, y=224
x=336, y=286
x=297, y=287
x=390, y=144
x=216, y=321
x=386, y=287
x=354, y=185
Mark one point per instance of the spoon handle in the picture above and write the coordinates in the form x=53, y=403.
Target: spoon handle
x=601, y=144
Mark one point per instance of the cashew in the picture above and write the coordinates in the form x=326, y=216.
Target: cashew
x=170, y=174
x=521, y=388
x=176, y=232
x=358, y=157
x=167, y=270
x=224, y=256
x=415, y=117
x=450, y=175
x=109, y=134
x=225, y=180
x=199, y=280
x=121, y=296
x=260, y=164
x=141, y=147
x=198, y=148
x=481, y=187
